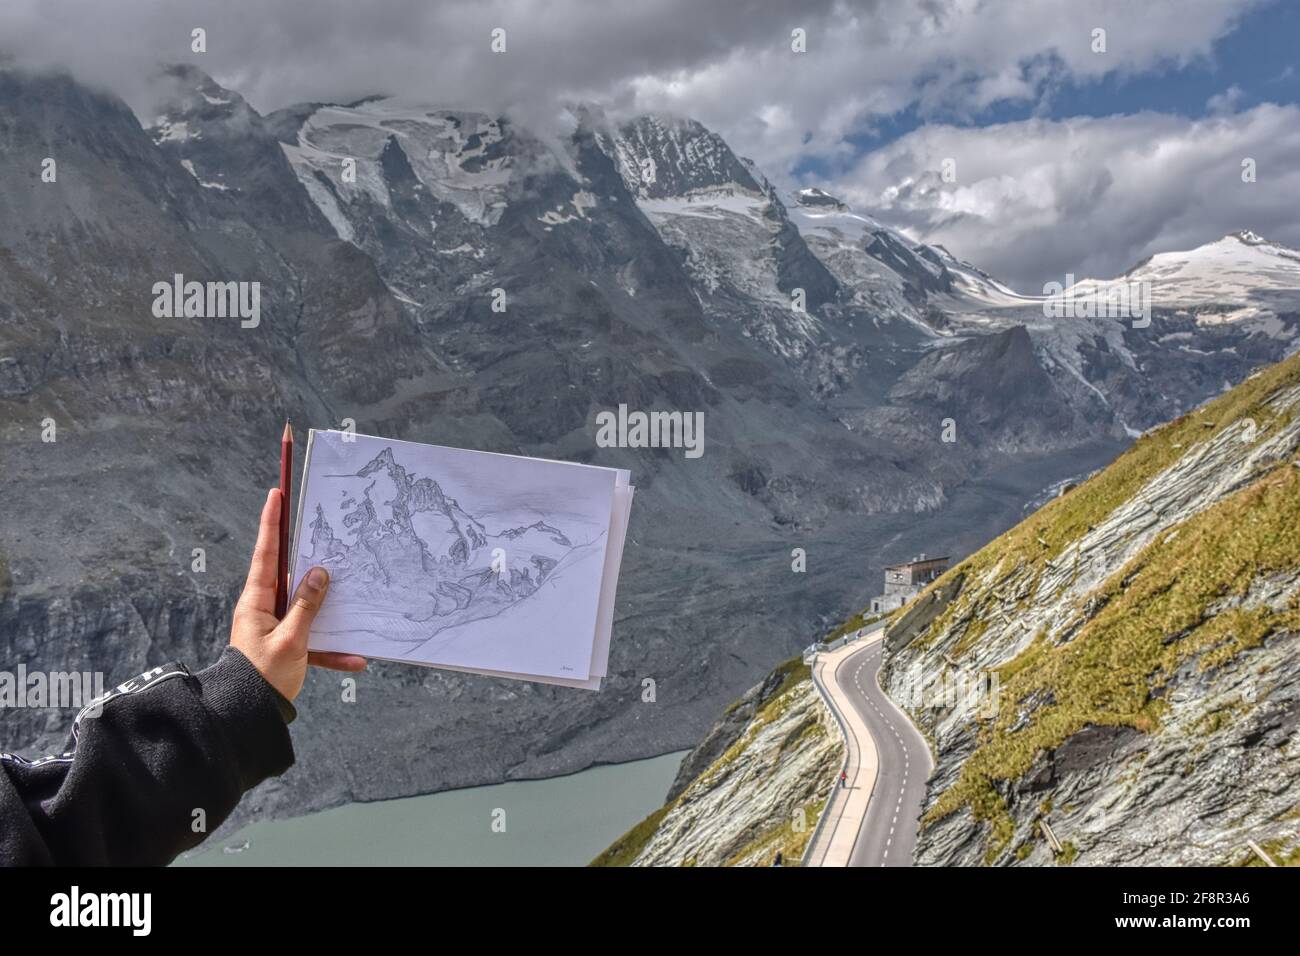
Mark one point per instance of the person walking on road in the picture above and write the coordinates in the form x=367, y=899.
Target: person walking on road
x=844, y=779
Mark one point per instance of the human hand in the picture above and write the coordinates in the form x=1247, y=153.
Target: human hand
x=278, y=649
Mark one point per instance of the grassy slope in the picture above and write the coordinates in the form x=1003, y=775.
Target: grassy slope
x=627, y=847
x=1047, y=533
x=1108, y=673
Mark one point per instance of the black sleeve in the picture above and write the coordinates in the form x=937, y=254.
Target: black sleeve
x=152, y=768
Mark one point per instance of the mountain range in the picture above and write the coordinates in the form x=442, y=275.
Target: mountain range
x=446, y=276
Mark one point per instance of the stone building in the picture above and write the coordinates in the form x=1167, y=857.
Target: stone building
x=905, y=581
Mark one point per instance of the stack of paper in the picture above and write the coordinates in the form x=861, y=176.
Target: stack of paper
x=464, y=560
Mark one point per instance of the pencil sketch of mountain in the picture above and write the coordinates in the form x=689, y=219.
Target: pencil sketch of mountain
x=411, y=562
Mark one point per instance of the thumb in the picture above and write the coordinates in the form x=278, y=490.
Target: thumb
x=302, y=610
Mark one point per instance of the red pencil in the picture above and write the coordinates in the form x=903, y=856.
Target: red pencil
x=282, y=565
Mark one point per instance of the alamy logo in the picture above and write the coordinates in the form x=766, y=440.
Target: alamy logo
x=61, y=689
x=638, y=429
x=1115, y=300
x=970, y=693
x=75, y=908
x=208, y=300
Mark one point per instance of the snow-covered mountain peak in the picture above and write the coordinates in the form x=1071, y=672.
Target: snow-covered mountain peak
x=812, y=196
x=191, y=105
x=664, y=157
x=1241, y=275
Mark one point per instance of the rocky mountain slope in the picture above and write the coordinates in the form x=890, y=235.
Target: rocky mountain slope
x=753, y=787
x=639, y=262
x=897, y=335
x=1140, y=636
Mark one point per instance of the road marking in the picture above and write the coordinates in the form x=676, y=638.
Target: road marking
x=885, y=712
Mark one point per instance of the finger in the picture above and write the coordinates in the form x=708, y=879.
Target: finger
x=302, y=609
x=259, y=589
x=336, y=662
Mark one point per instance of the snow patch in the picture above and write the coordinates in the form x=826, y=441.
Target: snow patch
x=189, y=167
x=580, y=203
x=166, y=131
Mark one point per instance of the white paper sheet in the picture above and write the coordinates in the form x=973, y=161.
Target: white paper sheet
x=465, y=560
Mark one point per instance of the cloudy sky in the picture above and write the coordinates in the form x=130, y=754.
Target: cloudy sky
x=1067, y=159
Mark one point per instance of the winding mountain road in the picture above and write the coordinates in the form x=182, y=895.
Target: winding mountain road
x=873, y=821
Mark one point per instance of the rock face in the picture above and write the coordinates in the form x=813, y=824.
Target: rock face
x=729, y=729
x=640, y=263
x=1125, y=664
x=752, y=788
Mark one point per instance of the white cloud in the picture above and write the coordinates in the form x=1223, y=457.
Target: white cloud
x=1229, y=101
x=949, y=60
x=1033, y=198
x=1036, y=199
x=727, y=63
